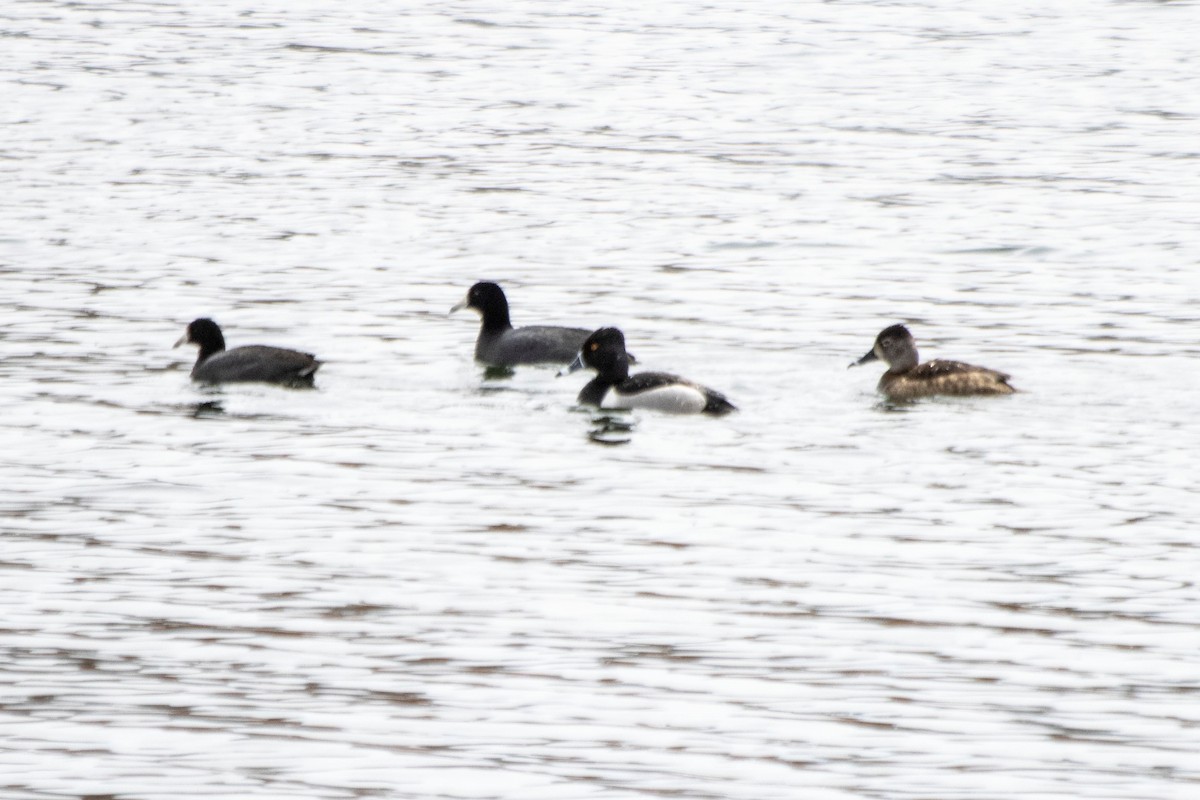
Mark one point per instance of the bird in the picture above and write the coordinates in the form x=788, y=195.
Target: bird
x=250, y=363
x=501, y=345
x=613, y=386
x=907, y=379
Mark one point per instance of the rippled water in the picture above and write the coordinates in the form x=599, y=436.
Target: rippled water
x=419, y=582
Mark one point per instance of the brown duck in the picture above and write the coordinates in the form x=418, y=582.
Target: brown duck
x=907, y=379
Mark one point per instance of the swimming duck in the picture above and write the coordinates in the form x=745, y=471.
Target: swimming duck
x=251, y=363
x=907, y=379
x=613, y=386
x=501, y=345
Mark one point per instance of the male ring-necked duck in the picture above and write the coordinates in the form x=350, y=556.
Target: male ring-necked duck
x=907, y=379
x=614, y=387
x=501, y=345
x=251, y=363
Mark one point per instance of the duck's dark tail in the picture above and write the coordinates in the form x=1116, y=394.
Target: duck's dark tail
x=717, y=405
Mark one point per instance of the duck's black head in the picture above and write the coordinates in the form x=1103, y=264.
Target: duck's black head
x=604, y=351
x=488, y=299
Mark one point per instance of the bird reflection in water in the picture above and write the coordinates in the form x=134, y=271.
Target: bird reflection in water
x=611, y=429
x=210, y=409
x=492, y=373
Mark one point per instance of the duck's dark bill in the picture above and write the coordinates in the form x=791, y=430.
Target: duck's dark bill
x=575, y=365
x=869, y=357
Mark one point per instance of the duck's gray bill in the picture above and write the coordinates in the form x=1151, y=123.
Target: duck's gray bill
x=574, y=366
x=182, y=340
x=870, y=356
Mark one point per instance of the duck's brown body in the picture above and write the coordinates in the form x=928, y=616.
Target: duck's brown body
x=953, y=378
x=907, y=379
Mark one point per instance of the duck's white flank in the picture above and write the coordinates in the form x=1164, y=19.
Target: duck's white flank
x=677, y=398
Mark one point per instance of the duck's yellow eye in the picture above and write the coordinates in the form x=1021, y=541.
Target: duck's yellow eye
x=595, y=346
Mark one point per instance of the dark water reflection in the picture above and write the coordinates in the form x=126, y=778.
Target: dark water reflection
x=211, y=409
x=611, y=428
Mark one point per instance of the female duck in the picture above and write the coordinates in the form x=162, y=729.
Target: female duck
x=614, y=387
x=501, y=345
x=906, y=379
x=251, y=363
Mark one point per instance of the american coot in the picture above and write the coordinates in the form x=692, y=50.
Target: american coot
x=252, y=363
x=614, y=387
x=907, y=379
x=501, y=345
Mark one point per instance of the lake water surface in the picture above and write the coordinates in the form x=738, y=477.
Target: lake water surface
x=419, y=581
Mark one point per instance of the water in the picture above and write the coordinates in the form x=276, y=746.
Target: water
x=417, y=582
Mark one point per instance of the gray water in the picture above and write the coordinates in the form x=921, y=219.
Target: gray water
x=421, y=582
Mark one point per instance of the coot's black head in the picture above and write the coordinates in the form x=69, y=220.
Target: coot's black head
x=895, y=346
x=205, y=333
x=488, y=299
